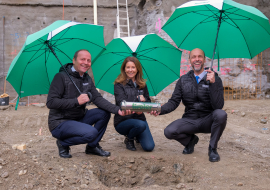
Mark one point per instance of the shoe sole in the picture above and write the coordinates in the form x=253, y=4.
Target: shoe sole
x=214, y=160
x=97, y=154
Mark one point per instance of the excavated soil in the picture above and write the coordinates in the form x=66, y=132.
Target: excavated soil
x=244, y=149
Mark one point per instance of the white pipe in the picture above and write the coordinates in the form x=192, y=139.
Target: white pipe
x=95, y=11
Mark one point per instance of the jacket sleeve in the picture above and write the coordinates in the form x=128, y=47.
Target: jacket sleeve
x=101, y=102
x=56, y=91
x=119, y=93
x=174, y=101
x=216, y=94
x=146, y=94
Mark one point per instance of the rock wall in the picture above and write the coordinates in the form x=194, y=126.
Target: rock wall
x=21, y=18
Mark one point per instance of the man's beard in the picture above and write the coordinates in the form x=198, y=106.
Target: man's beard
x=197, y=69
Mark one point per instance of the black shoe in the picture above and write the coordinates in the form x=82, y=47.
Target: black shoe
x=213, y=154
x=189, y=149
x=96, y=151
x=63, y=151
x=130, y=144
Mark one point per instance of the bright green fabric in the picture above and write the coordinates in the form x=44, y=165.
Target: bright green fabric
x=33, y=69
x=160, y=62
x=244, y=30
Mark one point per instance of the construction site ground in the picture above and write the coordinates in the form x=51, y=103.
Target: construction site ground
x=244, y=149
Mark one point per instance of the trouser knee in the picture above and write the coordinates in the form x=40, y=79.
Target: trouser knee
x=148, y=147
x=90, y=136
x=168, y=132
x=106, y=114
x=220, y=116
x=140, y=127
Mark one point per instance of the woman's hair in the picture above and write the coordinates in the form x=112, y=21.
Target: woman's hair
x=122, y=77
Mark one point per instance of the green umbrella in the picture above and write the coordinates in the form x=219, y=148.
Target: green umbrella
x=33, y=69
x=235, y=30
x=160, y=62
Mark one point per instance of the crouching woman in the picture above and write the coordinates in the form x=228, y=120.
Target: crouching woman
x=131, y=87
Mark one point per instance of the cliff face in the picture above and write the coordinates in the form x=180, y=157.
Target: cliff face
x=21, y=18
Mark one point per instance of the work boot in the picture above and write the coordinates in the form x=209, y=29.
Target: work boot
x=96, y=151
x=213, y=154
x=189, y=149
x=130, y=144
x=63, y=150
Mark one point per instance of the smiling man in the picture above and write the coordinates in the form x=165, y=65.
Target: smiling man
x=203, y=107
x=69, y=120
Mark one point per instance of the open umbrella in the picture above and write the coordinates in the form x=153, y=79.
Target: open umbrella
x=160, y=62
x=222, y=28
x=33, y=69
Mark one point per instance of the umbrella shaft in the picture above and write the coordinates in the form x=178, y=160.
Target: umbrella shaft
x=219, y=22
x=63, y=67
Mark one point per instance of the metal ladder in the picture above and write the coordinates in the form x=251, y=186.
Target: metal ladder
x=120, y=17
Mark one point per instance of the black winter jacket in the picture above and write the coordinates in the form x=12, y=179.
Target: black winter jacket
x=199, y=99
x=62, y=98
x=129, y=93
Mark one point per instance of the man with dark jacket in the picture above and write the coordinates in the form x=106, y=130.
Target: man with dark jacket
x=203, y=107
x=69, y=120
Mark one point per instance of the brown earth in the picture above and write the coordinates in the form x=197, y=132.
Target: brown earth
x=244, y=149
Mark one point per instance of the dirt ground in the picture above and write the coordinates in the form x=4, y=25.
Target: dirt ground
x=244, y=149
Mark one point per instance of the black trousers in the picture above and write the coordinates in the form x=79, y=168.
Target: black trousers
x=81, y=132
x=183, y=129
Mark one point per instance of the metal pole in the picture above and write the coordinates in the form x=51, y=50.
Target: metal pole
x=127, y=19
x=219, y=22
x=3, y=50
x=63, y=10
x=118, y=22
x=95, y=11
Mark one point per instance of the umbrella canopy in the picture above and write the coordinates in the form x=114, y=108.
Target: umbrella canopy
x=159, y=59
x=241, y=31
x=33, y=69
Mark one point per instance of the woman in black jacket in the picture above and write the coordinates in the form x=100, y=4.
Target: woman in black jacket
x=131, y=87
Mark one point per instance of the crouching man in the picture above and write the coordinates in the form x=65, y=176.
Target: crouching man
x=203, y=107
x=69, y=120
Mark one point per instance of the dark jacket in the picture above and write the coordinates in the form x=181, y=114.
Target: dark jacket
x=129, y=93
x=62, y=98
x=199, y=99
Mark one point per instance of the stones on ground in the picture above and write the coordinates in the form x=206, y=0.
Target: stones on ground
x=127, y=172
x=4, y=175
x=84, y=186
x=28, y=186
x=263, y=121
x=178, y=168
x=131, y=160
x=243, y=114
x=147, y=180
x=154, y=169
x=21, y=147
x=265, y=130
x=22, y=172
x=235, y=111
x=240, y=184
x=180, y=186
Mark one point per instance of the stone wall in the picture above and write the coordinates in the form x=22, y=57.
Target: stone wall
x=24, y=17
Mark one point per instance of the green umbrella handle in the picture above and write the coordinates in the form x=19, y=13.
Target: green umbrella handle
x=207, y=82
